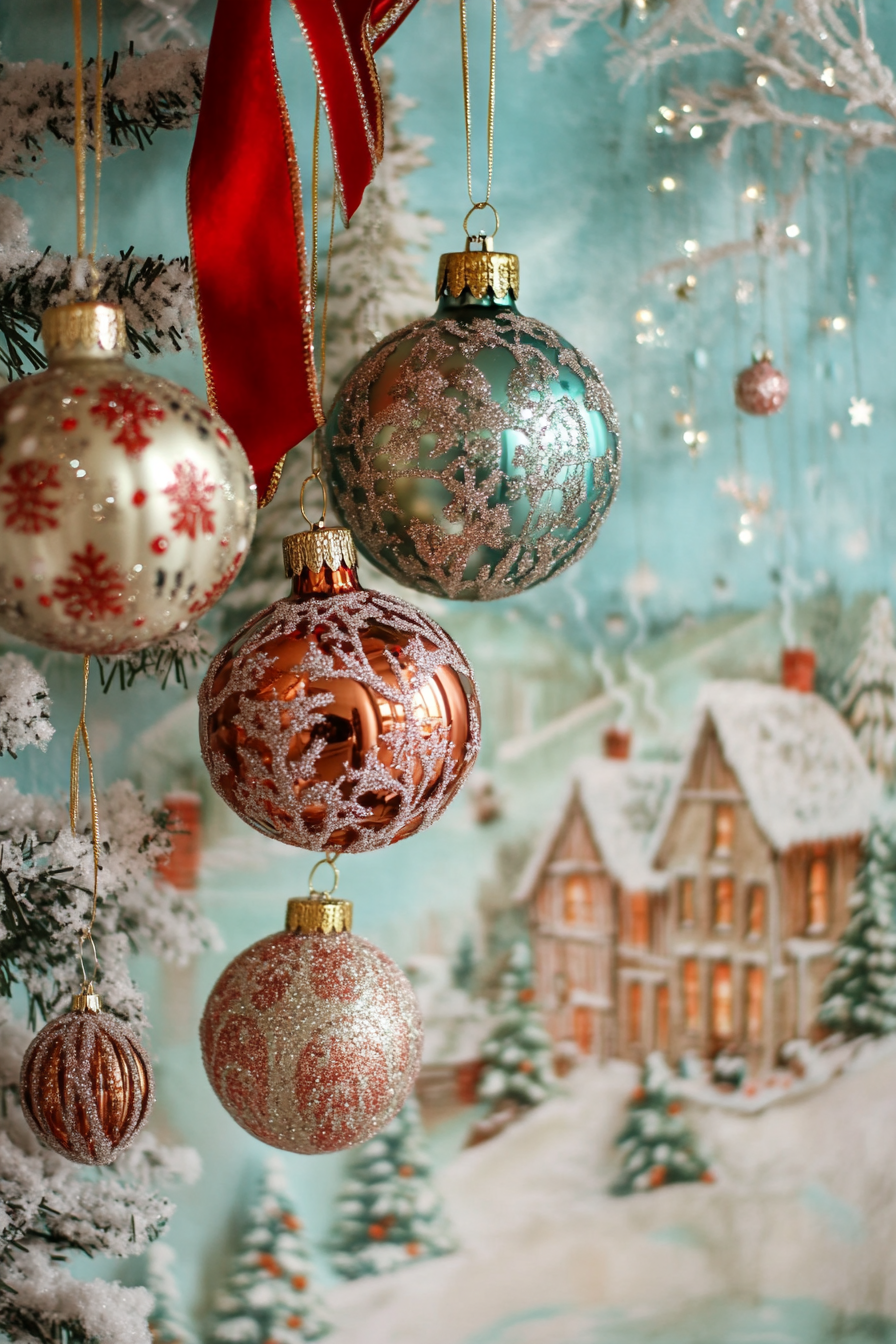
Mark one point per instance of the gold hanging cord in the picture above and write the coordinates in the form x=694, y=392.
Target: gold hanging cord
x=81, y=735
x=316, y=463
x=490, y=131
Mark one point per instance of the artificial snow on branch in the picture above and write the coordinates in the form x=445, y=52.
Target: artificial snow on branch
x=156, y=295
x=795, y=59
x=142, y=95
x=25, y=706
x=173, y=655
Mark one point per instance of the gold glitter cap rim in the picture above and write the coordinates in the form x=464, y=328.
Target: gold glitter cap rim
x=85, y=329
x=478, y=272
x=86, y=1001
x=320, y=546
x=305, y=915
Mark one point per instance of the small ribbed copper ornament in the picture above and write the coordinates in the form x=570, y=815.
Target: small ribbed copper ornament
x=761, y=389
x=86, y=1084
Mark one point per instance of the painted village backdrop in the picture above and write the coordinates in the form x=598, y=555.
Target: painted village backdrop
x=654, y=941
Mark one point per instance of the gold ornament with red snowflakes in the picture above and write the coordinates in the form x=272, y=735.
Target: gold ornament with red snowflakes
x=127, y=507
x=312, y=1038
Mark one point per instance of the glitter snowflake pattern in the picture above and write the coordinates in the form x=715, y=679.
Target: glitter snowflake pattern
x=93, y=588
x=130, y=412
x=512, y=516
x=312, y=1043
x=263, y=738
x=191, y=493
x=861, y=412
x=29, y=494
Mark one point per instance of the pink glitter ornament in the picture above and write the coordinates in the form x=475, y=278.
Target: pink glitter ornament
x=312, y=1038
x=761, y=389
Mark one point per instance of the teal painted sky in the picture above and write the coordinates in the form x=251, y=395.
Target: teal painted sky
x=575, y=156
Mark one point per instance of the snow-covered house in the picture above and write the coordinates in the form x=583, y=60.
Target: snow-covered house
x=697, y=908
x=598, y=909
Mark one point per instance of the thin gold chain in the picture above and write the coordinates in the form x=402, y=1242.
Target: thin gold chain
x=80, y=148
x=465, y=62
x=97, y=138
x=86, y=935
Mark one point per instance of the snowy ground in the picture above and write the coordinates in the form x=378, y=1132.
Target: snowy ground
x=795, y=1240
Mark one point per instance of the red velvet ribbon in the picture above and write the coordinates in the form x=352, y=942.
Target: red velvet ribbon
x=250, y=273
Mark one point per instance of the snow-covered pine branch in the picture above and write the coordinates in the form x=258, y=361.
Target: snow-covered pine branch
x=868, y=701
x=142, y=94
x=25, y=706
x=791, y=55
x=46, y=882
x=167, y=658
x=157, y=295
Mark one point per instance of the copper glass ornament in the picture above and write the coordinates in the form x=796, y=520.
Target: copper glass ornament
x=474, y=453
x=761, y=389
x=312, y=1038
x=86, y=1084
x=127, y=507
x=338, y=719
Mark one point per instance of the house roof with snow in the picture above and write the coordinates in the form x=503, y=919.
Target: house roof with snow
x=795, y=758
x=623, y=802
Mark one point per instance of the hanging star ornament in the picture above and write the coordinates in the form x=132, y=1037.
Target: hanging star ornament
x=860, y=411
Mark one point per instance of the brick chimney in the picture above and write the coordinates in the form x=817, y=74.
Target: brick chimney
x=798, y=669
x=617, y=743
x=180, y=866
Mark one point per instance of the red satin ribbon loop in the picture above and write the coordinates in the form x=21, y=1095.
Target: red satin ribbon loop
x=250, y=272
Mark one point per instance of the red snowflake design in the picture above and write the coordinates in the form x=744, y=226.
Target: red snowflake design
x=191, y=493
x=129, y=411
x=28, y=503
x=94, y=588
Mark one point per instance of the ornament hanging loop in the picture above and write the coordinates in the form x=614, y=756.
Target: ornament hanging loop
x=87, y=980
x=319, y=480
x=481, y=236
x=81, y=735
x=328, y=861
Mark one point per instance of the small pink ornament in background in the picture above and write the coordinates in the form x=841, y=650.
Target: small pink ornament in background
x=761, y=389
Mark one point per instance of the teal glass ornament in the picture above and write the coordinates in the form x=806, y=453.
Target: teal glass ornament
x=473, y=453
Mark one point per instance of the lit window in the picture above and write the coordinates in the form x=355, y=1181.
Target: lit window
x=723, y=829
x=686, y=900
x=722, y=1022
x=756, y=912
x=662, y=1018
x=818, y=894
x=635, y=1004
x=639, y=920
x=690, y=983
x=755, y=998
x=578, y=904
x=723, y=903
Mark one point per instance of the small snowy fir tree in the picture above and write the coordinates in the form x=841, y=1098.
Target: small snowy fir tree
x=376, y=286
x=869, y=697
x=51, y=1208
x=389, y=1212
x=168, y=1323
x=657, y=1146
x=517, y=1053
x=268, y=1298
x=25, y=706
x=859, y=995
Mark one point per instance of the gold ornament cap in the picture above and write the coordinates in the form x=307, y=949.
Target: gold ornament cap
x=320, y=546
x=86, y=1001
x=307, y=914
x=84, y=329
x=479, y=272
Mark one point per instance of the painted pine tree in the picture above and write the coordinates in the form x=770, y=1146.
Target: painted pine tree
x=168, y=1323
x=517, y=1053
x=859, y=995
x=656, y=1144
x=389, y=1212
x=268, y=1298
x=869, y=697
